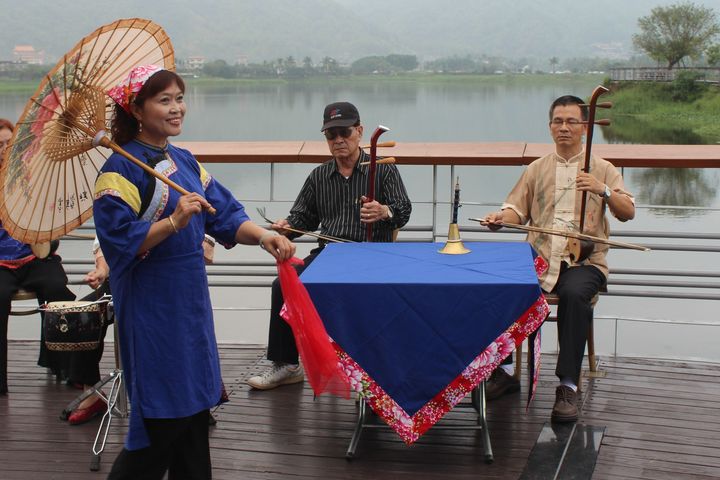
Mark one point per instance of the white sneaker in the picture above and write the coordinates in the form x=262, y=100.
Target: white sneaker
x=278, y=374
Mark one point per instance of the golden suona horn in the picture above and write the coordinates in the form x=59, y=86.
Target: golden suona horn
x=454, y=245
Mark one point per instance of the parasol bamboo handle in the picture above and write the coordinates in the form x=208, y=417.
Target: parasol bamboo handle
x=382, y=161
x=106, y=142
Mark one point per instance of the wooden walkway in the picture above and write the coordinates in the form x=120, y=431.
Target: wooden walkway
x=661, y=420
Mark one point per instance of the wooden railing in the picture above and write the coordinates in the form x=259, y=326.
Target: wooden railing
x=694, y=284
x=455, y=154
x=661, y=74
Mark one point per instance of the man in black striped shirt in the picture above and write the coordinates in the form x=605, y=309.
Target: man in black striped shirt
x=333, y=199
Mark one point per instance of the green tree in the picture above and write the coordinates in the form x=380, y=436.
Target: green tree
x=330, y=65
x=713, y=55
x=453, y=64
x=374, y=64
x=219, y=69
x=403, y=62
x=687, y=87
x=553, y=63
x=279, y=66
x=672, y=33
x=307, y=64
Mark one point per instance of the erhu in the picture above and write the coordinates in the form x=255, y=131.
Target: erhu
x=454, y=245
x=580, y=249
x=371, y=172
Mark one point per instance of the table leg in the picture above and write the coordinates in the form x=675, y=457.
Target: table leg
x=479, y=404
x=477, y=401
x=358, y=430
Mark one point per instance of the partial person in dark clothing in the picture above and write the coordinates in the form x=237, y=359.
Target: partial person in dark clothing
x=21, y=269
x=333, y=199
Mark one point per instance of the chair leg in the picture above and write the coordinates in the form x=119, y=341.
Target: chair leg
x=518, y=361
x=593, y=371
x=3, y=356
x=591, y=348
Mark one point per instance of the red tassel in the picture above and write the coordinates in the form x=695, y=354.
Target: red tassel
x=321, y=363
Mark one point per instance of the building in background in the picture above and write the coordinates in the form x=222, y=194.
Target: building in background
x=194, y=63
x=28, y=54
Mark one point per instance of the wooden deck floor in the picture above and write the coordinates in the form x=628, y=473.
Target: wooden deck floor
x=661, y=420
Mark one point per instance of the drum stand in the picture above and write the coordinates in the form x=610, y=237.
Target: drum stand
x=117, y=403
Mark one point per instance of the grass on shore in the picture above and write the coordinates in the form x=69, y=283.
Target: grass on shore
x=18, y=87
x=653, y=105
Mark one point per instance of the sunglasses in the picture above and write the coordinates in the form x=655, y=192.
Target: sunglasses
x=332, y=133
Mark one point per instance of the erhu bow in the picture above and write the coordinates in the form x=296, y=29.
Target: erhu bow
x=371, y=172
x=327, y=238
x=568, y=234
x=579, y=248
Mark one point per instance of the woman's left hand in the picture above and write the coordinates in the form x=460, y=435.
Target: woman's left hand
x=279, y=247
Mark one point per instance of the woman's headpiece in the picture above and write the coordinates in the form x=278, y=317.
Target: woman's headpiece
x=126, y=91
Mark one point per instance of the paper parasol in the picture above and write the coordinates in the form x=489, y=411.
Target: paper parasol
x=49, y=170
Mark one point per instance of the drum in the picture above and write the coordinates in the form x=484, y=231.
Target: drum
x=73, y=326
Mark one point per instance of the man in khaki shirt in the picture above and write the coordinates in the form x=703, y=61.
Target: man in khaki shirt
x=549, y=195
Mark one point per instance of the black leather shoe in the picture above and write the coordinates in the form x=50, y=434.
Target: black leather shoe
x=565, y=408
x=500, y=383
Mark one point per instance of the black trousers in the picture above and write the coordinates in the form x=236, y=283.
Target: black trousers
x=575, y=289
x=47, y=279
x=281, y=341
x=179, y=446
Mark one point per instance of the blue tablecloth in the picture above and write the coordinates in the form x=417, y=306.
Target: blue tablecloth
x=413, y=318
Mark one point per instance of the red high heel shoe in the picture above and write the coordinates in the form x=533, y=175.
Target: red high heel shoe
x=84, y=415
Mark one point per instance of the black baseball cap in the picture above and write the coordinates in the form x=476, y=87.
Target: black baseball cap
x=340, y=114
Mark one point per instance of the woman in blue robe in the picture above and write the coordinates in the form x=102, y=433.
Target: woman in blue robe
x=152, y=237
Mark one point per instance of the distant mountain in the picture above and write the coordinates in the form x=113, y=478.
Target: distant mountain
x=515, y=28
x=343, y=29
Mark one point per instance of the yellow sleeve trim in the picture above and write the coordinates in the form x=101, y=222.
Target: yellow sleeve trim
x=115, y=184
x=204, y=176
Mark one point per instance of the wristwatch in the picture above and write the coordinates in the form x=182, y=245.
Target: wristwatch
x=606, y=194
x=389, y=213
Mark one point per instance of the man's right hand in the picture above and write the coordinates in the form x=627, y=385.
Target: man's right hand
x=280, y=225
x=494, y=221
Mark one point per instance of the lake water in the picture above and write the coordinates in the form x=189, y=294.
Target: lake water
x=464, y=112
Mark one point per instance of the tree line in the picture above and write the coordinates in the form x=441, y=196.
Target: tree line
x=671, y=35
x=289, y=67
